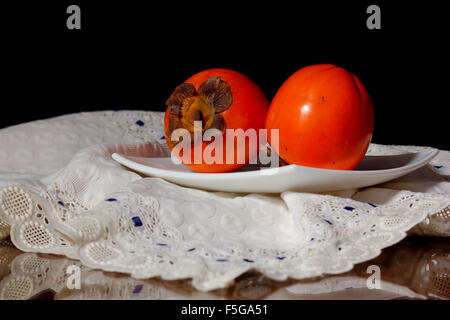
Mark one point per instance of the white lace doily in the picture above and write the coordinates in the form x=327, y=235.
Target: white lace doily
x=63, y=194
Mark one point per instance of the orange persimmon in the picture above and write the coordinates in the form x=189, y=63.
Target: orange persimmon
x=221, y=99
x=325, y=118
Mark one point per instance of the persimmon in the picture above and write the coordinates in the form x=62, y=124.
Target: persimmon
x=220, y=99
x=325, y=118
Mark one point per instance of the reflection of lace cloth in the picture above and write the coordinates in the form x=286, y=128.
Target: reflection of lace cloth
x=407, y=270
x=63, y=194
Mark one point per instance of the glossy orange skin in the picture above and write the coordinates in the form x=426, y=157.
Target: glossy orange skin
x=248, y=110
x=325, y=118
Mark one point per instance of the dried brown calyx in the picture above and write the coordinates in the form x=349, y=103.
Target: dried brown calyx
x=186, y=105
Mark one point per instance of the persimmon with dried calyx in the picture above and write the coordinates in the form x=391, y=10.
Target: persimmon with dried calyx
x=325, y=118
x=222, y=101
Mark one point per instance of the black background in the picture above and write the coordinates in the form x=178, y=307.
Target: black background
x=130, y=55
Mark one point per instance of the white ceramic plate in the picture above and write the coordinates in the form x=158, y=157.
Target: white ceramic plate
x=372, y=170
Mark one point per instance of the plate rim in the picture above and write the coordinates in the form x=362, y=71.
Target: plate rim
x=432, y=152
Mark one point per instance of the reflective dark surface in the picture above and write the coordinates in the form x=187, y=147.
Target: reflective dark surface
x=416, y=268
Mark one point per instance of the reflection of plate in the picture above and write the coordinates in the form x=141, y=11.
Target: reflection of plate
x=372, y=170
